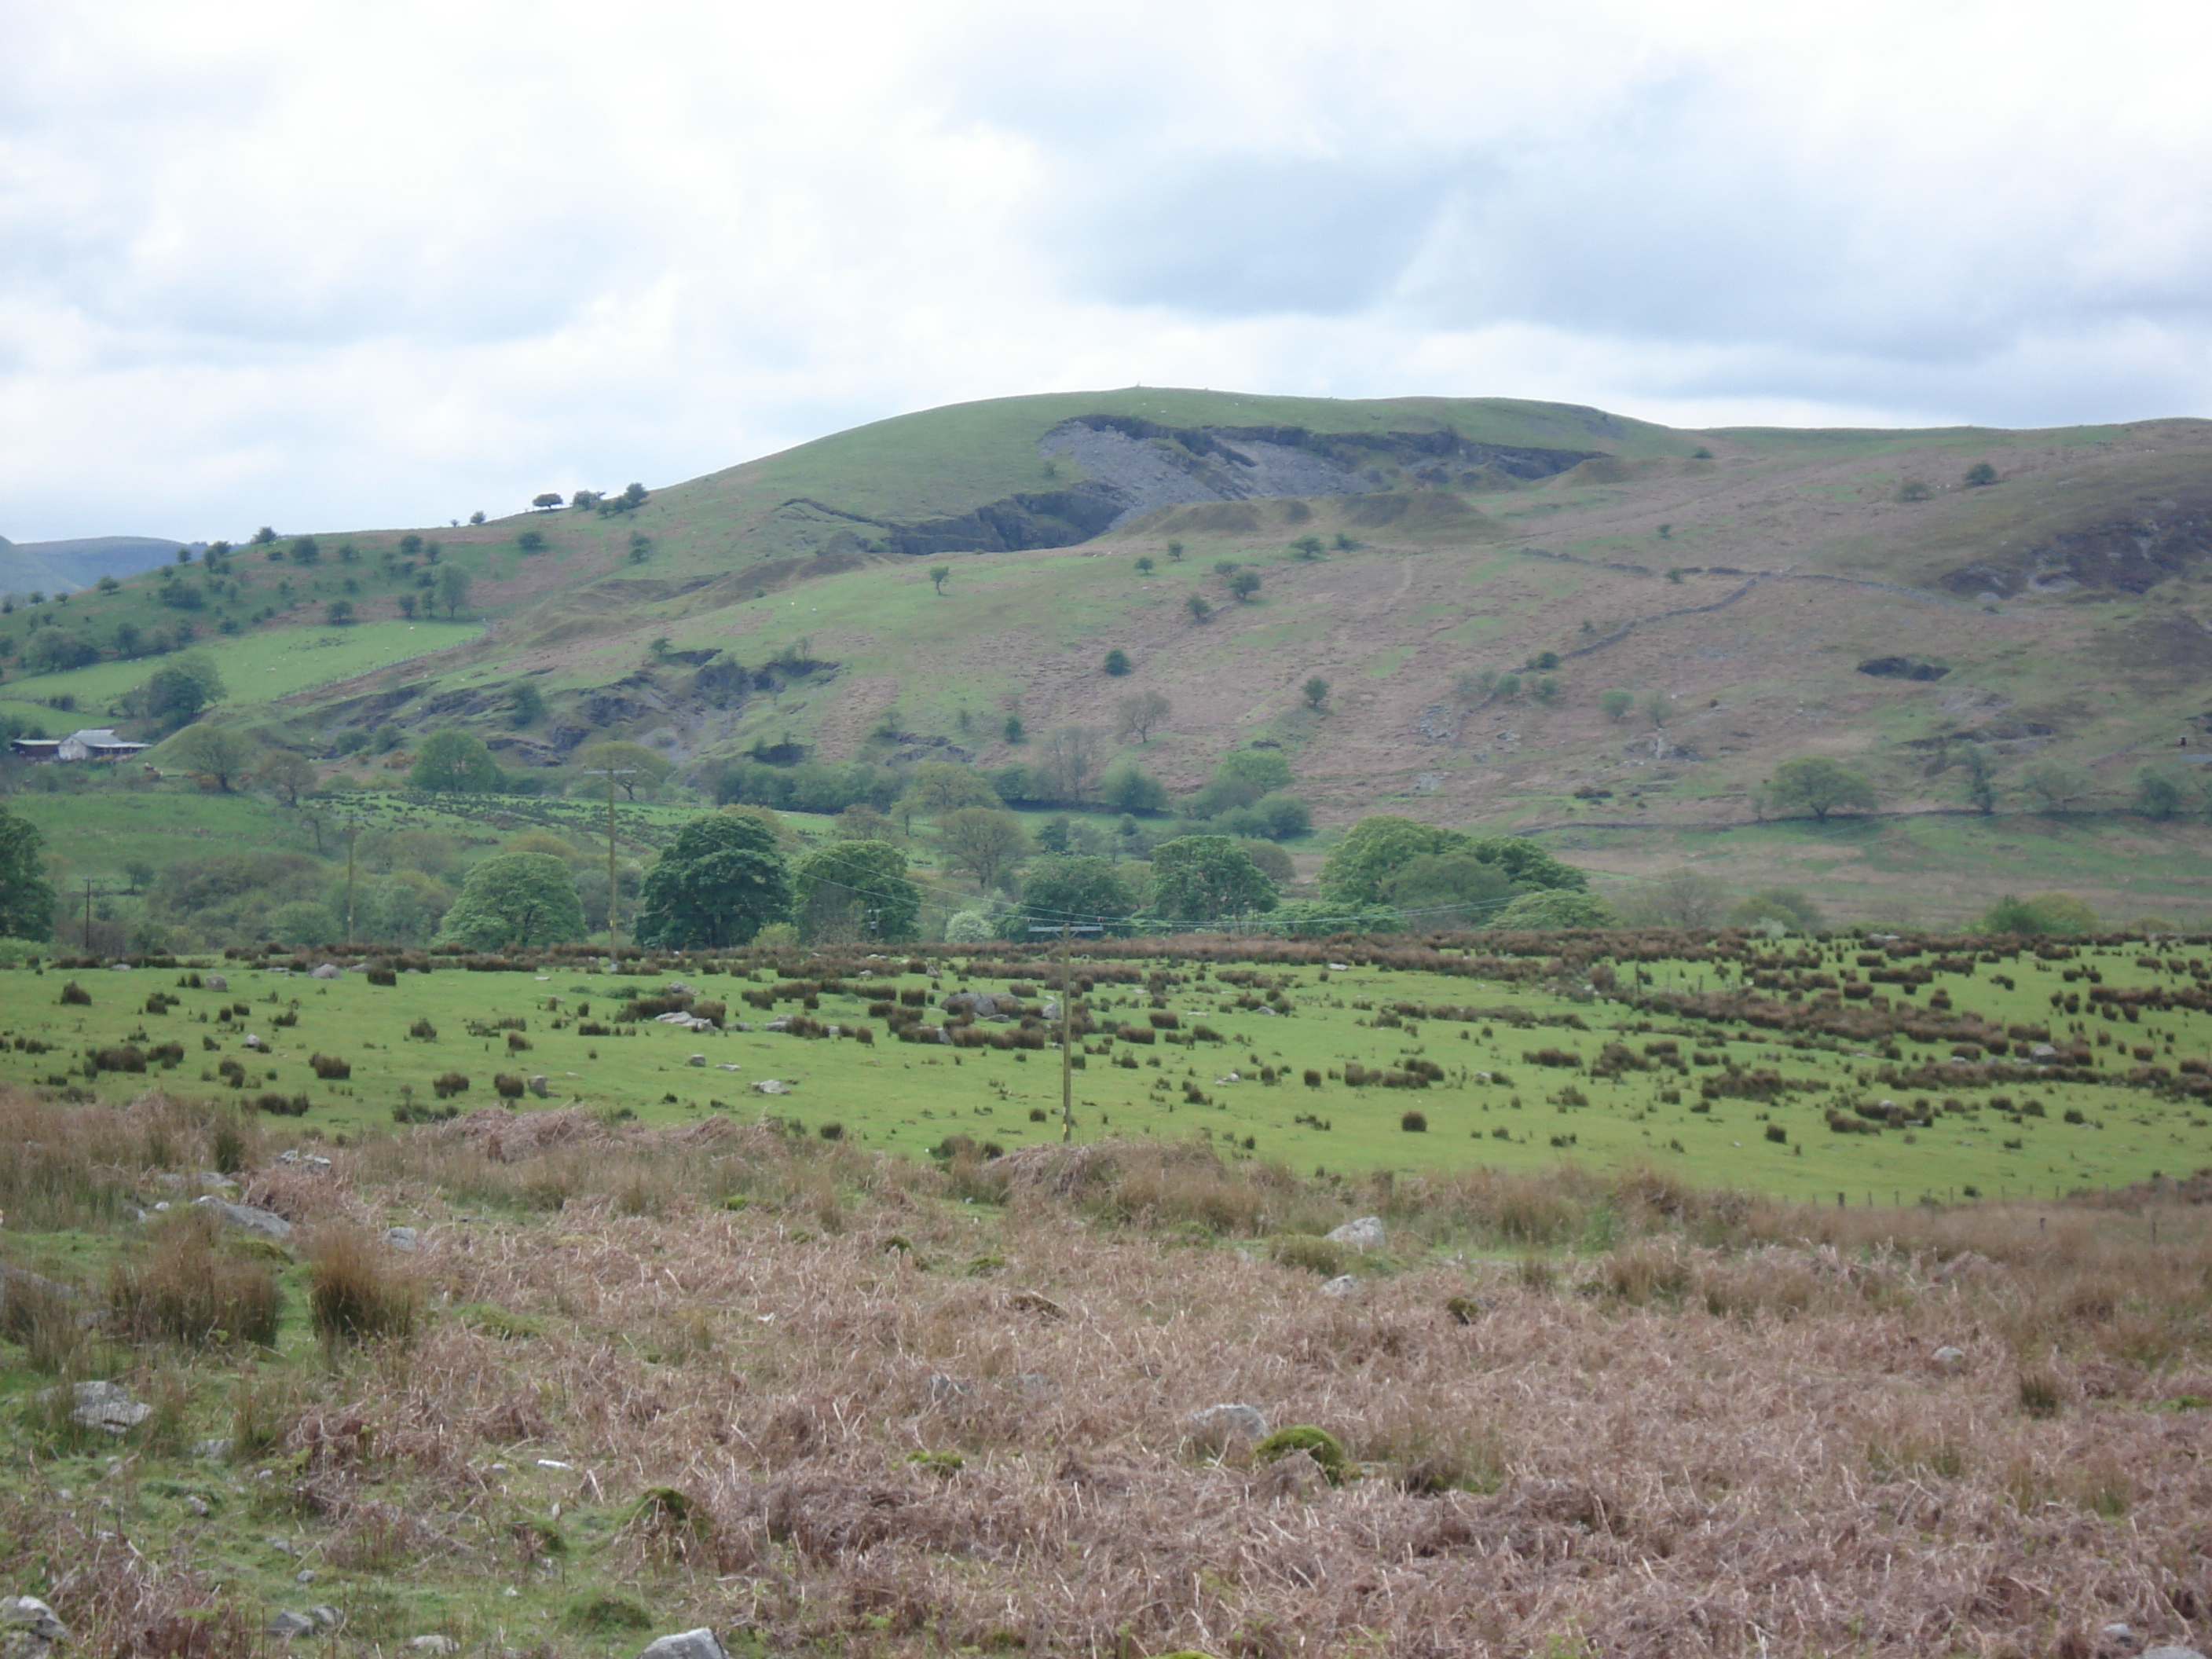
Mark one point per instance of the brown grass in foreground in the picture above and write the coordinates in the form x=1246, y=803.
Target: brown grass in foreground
x=1696, y=1426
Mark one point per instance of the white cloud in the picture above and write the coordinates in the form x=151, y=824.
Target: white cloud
x=386, y=263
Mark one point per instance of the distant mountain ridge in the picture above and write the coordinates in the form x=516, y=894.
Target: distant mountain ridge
x=66, y=566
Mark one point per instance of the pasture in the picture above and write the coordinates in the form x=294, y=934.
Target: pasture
x=1881, y=1071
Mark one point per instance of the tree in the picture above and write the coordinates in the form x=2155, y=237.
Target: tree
x=854, y=889
x=290, y=774
x=477, y=517
x=641, y=547
x=1980, y=474
x=987, y=843
x=936, y=787
x=1678, y=898
x=1013, y=730
x=177, y=691
x=938, y=576
x=1140, y=711
x=1914, y=490
x=584, y=499
x=2055, y=783
x=530, y=541
x=1790, y=906
x=1117, y=662
x=1077, y=890
x=546, y=502
x=307, y=550
x=1144, y=564
x=2158, y=795
x=1658, y=705
x=1175, y=552
x=1814, y=784
x=27, y=897
x=339, y=613
x=1358, y=870
x=215, y=755
x=1307, y=548
x=1243, y=585
x=645, y=768
x=1198, y=609
x=1069, y=760
x=525, y=703
x=454, y=762
x=1204, y=878
x=1287, y=817
x=1554, y=910
x=1981, y=779
x=1317, y=692
x=1241, y=779
x=719, y=884
x=2039, y=913
x=633, y=496
x=1129, y=788
x=1615, y=704
x=515, y=899
x=453, y=589
x=1454, y=886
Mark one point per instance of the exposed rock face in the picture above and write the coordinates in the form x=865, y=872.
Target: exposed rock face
x=1364, y=1233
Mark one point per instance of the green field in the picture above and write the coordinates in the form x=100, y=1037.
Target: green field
x=1722, y=1101
x=257, y=667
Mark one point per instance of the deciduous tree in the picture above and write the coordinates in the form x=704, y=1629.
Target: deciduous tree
x=454, y=762
x=719, y=883
x=1207, y=878
x=985, y=842
x=853, y=890
x=27, y=897
x=215, y=755
x=1814, y=784
x=515, y=899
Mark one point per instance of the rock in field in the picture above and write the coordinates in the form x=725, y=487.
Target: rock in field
x=109, y=1406
x=688, y=1645
x=267, y=1223
x=402, y=1238
x=1364, y=1233
x=28, y=1629
x=1342, y=1285
x=287, y=1623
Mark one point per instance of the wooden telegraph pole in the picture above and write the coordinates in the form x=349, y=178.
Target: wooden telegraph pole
x=1065, y=930
x=353, y=823
x=611, y=773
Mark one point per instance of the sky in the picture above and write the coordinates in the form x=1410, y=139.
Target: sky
x=331, y=266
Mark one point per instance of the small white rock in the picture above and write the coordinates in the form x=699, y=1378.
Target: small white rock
x=1342, y=1285
x=688, y=1645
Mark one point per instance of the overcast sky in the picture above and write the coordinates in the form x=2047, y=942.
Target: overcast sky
x=332, y=266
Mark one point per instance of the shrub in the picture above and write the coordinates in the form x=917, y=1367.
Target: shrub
x=1317, y=1444
x=190, y=1288
x=74, y=995
x=355, y=1291
x=328, y=1066
x=1414, y=1123
x=278, y=1105
x=1315, y=1254
x=448, y=1084
x=507, y=1087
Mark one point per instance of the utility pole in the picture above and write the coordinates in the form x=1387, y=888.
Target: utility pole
x=1066, y=1012
x=611, y=773
x=353, y=823
x=88, y=882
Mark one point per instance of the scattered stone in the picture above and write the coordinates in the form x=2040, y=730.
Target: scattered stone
x=688, y=1645
x=539, y=1086
x=1949, y=1358
x=1342, y=1285
x=435, y=1643
x=1036, y=1303
x=2043, y=1051
x=28, y=1629
x=1218, y=1423
x=770, y=1085
x=2116, y=1633
x=327, y=970
x=304, y=1576
x=214, y=1450
x=2172, y=1653
x=326, y=1616
x=120, y=967
x=950, y=1390
x=196, y=1505
x=215, y=982
x=1364, y=1233
x=696, y=1059
x=293, y=1155
x=676, y=988
x=287, y=1623
x=553, y=1463
x=267, y=1223
x=402, y=1238
x=252, y=1040
x=109, y=1406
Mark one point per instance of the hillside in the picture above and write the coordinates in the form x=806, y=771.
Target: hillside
x=62, y=567
x=1761, y=593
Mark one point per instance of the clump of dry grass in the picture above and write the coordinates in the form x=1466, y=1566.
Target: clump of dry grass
x=189, y=1285
x=357, y=1290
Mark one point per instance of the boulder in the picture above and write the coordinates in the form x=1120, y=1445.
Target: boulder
x=1218, y=1424
x=287, y=1623
x=28, y=1629
x=1949, y=1358
x=326, y=970
x=267, y=1223
x=2171, y=1653
x=1342, y=1285
x=771, y=1085
x=109, y=1406
x=686, y=1644
x=402, y=1238
x=1364, y=1233
x=435, y=1643
x=215, y=982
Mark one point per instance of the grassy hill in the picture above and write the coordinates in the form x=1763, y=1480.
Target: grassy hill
x=1761, y=594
